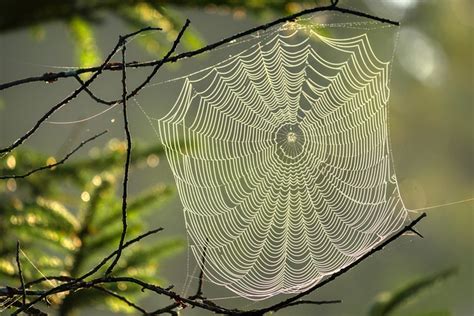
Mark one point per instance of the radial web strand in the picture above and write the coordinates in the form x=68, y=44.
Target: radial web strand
x=285, y=175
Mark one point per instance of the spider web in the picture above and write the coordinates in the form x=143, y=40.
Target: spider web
x=286, y=174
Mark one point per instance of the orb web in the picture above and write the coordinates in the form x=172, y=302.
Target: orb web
x=286, y=174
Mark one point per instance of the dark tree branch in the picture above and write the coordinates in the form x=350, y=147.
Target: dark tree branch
x=69, y=98
x=50, y=166
x=98, y=266
x=11, y=291
x=127, y=244
x=92, y=95
x=121, y=298
x=374, y=250
x=144, y=83
x=20, y=273
x=31, y=311
x=295, y=300
x=128, y=135
x=416, y=232
x=263, y=27
x=69, y=285
x=50, y=77
x=60, y=278
x=127, y=159
x=161, y=62
x=170, y=309
x=199, y=293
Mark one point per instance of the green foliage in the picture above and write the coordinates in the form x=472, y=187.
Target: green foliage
x=68, y=218
x=87, y=51
x=388, y=302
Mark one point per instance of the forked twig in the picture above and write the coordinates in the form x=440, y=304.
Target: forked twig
x=129, y=136
x=72, y=284
x=72, y=96
x=295, y=300
x=199, y=292
x=60, y=162
x=121, y=298
x=127, y=159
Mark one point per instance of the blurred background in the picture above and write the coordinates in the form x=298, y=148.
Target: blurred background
x=67, y=218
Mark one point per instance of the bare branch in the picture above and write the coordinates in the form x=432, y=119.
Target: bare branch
x=20, y=273
x=161, y=62
x=128, y=135
x=170, y=309
x=199, y=293
x=92, y=95
x=31, y=311
x=69, y=98
x=67, y=286
x=127, y=160
x=374, y=250
x=121, y=298
x=295, y=300
x=60, y=162
x=416, y=232
x=127, y=244
x=50, y=77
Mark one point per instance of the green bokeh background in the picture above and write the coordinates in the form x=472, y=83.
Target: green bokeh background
x=431, y=114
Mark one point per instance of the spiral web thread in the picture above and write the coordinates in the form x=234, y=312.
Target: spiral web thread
x=286, y=174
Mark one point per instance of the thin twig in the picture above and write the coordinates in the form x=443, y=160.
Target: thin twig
x=211, y=306
x=413, y=230
x=98, y=266
x=65, y=286
x=73, y=95
x=20, y=273
x=135, y=91
x=263, y=27
x=121, y=298
x=127, y=160
x=199, y=293
x=60, y=162
x=50, y=77
x=159, y=290
x=374, y=250
x=161, y=62
x=110, y=256
x=11, y=291
x=60, y=278
x=128, y=135
x=92, y=95
x=31, y=311
x=167, y=309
